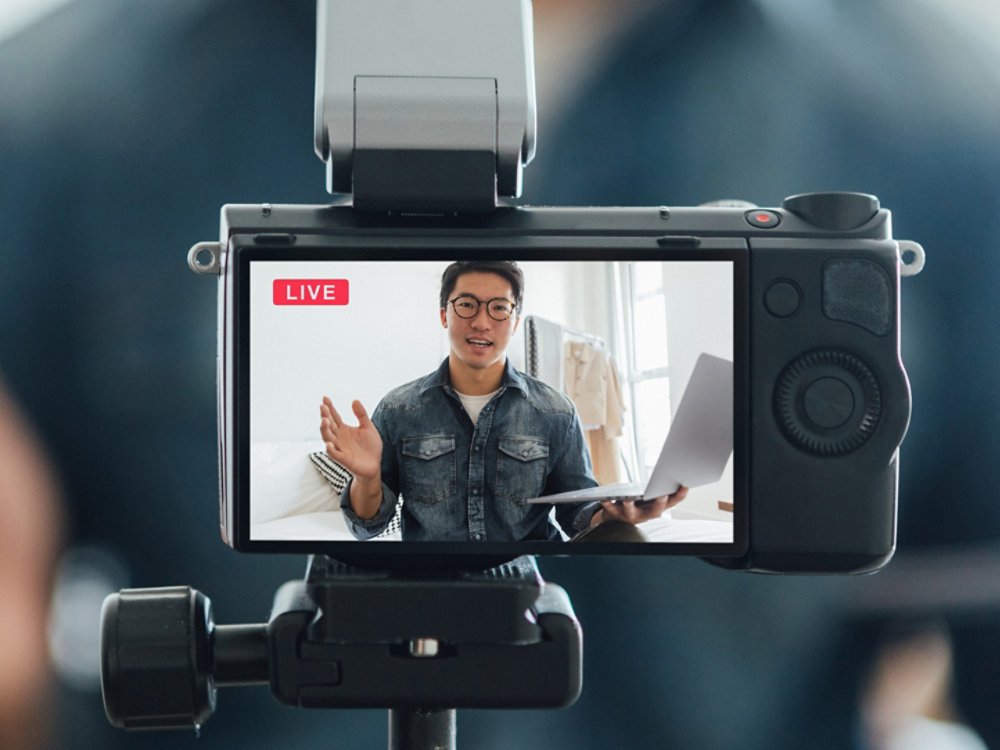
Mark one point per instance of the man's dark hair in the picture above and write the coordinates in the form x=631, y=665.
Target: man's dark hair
x=508, y=269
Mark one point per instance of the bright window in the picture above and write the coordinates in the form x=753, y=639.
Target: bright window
x=646, y=342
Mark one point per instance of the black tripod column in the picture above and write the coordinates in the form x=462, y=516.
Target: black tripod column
x=422, y=729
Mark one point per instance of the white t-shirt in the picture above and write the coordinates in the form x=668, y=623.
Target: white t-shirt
x=474, y=404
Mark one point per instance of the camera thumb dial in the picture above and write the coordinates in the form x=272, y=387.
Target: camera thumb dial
x=827, y=402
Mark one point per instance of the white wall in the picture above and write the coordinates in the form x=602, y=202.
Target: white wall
x=699, y=315
x=574, y=294
x=388, y=334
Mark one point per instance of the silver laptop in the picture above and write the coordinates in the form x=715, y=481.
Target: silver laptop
x=697, y=447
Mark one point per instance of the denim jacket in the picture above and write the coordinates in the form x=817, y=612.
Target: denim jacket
x=465, y=482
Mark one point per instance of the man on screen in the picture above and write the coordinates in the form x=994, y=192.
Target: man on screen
x=469, y=443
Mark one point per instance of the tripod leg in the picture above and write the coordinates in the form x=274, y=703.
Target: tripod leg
x=421, y=729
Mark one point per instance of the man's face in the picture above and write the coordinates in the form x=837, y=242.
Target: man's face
x=479, y=341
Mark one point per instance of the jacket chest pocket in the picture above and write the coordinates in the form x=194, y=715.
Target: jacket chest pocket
x=522, y=463
x=429, y=468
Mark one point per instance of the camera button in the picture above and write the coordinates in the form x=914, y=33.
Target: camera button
x=762, y=219
x=829, y=403
x=783, y=299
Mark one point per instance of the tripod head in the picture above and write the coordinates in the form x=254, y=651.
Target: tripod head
x=348, y=638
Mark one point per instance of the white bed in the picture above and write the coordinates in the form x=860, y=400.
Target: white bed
x=687, y=530
x=292, y=501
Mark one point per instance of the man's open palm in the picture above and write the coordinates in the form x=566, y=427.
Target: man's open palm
x=358, y=449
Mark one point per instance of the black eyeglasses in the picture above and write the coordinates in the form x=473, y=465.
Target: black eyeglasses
x=467, y=306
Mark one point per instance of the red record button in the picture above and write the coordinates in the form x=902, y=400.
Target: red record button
x=763, y=219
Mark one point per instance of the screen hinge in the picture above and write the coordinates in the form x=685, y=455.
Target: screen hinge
x=425, y=105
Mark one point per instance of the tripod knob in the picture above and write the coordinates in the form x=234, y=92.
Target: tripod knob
x=156, y=658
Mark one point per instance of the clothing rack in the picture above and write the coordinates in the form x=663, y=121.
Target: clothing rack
x=590, y=338
x=543, y=348
x=544, y=357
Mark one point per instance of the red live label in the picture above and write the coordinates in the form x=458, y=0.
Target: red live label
x=310, y=291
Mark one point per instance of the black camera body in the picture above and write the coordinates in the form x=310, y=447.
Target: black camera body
x=425, y=114
x=829, y=401
x=821, y=400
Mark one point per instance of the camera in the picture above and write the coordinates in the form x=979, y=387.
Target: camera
x=423, y=385
x=802, y=300
x=425, y=374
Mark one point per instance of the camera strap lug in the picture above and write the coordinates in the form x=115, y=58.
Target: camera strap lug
x=911, y=257
x=205, y=258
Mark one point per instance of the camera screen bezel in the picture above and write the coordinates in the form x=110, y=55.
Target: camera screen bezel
x=245, y=250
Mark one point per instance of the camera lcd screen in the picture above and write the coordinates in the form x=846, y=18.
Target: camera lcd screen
x=594, y=355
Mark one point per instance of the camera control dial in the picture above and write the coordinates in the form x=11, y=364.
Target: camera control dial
x=834, y=211
x=828, y=402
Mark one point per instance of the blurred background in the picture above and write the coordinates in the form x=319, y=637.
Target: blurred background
x=125, y=126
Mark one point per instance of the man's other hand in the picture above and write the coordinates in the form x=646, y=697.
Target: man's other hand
x=634, y=512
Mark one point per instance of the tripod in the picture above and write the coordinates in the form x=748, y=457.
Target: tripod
x=421, y=644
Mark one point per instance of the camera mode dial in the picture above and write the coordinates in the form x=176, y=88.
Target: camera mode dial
x=827, y=402
x=836, y=212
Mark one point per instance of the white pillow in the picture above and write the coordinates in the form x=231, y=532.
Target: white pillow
x=331, y=470
x=284, y=482
x=338, y=477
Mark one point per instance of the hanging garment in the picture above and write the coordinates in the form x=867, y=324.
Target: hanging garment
x=593, y=385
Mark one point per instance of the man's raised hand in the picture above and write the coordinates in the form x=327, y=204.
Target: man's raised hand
x=357, y=448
